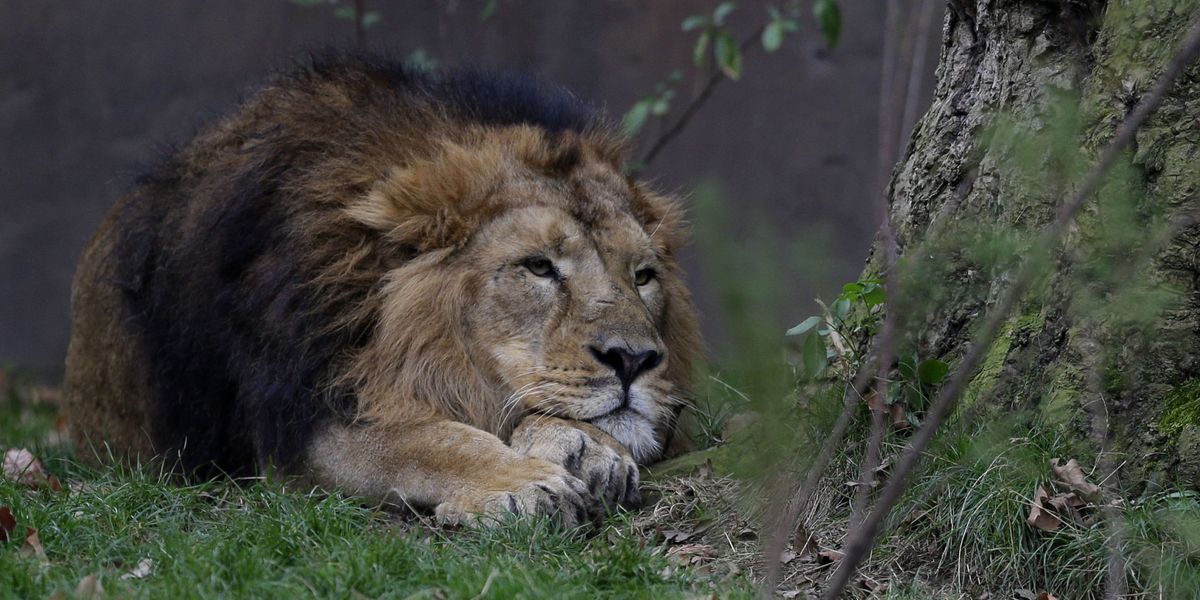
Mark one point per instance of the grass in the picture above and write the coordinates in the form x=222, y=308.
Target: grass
x=256, y=539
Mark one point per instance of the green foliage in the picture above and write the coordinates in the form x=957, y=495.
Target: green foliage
x=656, y=105
x=829, y=20
x=780, y=24
x=845, y=326
x=726, y=52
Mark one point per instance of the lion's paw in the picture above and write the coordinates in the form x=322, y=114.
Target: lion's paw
x=593, y=456
x=536, y=488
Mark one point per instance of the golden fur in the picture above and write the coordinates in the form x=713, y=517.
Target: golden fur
x=359, y=271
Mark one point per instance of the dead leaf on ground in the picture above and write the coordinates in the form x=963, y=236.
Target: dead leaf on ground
x=33, y=545
x=803, y=542
x=1071, y=475
x=692, y=553
x=21, y=466
x=143, y=569
x=674, y=536
x=89, y=588
x=1040, y=517
x=787, y=556
x=1047, y=596
x=7, y=523
x=899, y=417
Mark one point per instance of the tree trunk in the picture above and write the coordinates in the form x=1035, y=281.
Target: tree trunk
x=1115, y=363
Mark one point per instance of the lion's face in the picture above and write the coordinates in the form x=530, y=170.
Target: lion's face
x=572, y=313
x=544, y=272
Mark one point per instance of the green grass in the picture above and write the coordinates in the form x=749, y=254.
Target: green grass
x=222, y=539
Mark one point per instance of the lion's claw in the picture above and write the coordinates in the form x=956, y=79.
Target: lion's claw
x=540, y=489
x=587, y=453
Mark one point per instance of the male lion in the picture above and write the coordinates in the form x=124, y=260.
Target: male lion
x=436, y=290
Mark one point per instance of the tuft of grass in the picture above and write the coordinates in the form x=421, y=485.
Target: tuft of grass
x=260, y=539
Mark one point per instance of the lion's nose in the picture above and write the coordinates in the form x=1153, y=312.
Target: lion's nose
x=627, y=362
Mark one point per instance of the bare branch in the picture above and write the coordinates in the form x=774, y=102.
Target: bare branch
x=863, y=537
x=693, y=107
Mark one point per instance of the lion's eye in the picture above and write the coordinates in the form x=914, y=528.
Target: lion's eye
x=540, y=266
x=643, y=276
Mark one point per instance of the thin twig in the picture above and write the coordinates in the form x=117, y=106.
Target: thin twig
x=877, y=400
x=693, y=107
x=863, y=537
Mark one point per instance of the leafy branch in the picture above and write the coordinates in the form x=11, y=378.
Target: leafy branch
x=718, y=53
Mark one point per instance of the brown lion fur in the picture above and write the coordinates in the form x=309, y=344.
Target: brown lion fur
x=316, y=257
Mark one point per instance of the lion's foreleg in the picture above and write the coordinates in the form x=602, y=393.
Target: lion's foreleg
x=459, y=471
x=586, y=452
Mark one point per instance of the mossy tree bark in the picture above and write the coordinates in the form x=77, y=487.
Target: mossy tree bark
x=1074, y=354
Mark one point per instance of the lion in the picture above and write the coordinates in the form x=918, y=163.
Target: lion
x=436, y=290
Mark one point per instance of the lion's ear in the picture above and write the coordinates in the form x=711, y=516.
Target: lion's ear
x=429, y=204
x=661, y=216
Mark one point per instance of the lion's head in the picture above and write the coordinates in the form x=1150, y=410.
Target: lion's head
x=530, y=277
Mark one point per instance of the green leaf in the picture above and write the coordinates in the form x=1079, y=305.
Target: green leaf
x=729, y=55
x=694, y=22
x=932, y=371
x=489, y=9
x=660, y=106
x=841, y=308
x=829, y=20
x=700, y=52
x=804, y=326
x=636, y=118
x=851, y=290
x=874, y=295
x=813, y=355
x=772, y=36
x=721, y=11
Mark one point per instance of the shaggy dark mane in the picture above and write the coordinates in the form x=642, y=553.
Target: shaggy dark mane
x=471, y=93
x=219, y=267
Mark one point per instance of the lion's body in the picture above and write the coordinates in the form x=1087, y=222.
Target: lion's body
x=304, y=281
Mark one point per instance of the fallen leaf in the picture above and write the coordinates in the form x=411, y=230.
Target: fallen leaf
x=89, y=588
x=803, y=542
x=143, y=569
x=1039, y=517
x=1047, y=596
x=7, y=523
x=674, y=536
x=787, y=556
x=899, y=417
x=21, y=466
x=33, y=545
x=1071, y=475
x=691, y=553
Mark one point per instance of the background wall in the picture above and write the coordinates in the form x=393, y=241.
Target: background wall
x=91, y=91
